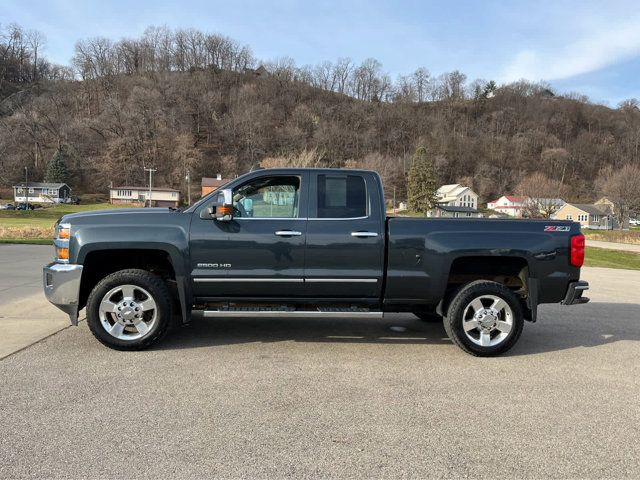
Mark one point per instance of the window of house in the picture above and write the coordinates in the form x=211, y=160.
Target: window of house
x=53, y=191
x=569, y=216
x=30, y=190
x=20, y=190
x=267, y=197
x=341, y=196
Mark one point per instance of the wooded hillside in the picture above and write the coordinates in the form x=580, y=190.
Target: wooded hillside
x=185, y=100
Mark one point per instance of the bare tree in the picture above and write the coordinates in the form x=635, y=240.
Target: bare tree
x=542, y=195
x=421, y=79
x=622, y=188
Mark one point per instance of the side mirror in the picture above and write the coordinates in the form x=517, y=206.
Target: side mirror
x=222, y=209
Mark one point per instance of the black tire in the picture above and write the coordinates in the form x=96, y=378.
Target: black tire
x=453, y=322
x=141, y=278
x=428, y=316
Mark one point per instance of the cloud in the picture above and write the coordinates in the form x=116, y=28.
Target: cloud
x=594, y=51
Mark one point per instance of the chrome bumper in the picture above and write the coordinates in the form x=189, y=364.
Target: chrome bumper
x=62, y=287
x=574, y=293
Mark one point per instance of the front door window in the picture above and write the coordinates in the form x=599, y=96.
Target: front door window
x=268, y=197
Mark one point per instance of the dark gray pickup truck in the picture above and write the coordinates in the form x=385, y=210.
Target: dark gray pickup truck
x=309, y=243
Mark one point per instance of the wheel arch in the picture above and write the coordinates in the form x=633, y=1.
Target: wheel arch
x=165, y=262
x=512, y=271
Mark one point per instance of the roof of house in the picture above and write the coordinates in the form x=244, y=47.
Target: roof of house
x=548, y=201
x=41, y=185
x=511, y=198
x=448, y=193
x=451, y=189
x=146, y=189
x=214, y=182
x=448, y=208
x=587, y=207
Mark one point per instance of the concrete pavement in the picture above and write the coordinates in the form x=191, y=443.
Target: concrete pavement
x=335, y=398
x=25, y=315
x=625, y=247
x=21, y=270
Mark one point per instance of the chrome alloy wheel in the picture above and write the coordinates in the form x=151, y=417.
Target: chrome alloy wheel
x=128, y=312
x=487, y=320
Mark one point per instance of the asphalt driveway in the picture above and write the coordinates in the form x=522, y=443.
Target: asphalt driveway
x=329, y=398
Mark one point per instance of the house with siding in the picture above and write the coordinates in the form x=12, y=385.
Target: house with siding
x=508, y=204
x=587, y=215
x=455, y=201
x=38, y=192
x=160, y=197
x=456, y=195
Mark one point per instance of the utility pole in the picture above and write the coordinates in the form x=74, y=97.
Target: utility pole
x=26, y=186
x=188, y=179
x=150, y=170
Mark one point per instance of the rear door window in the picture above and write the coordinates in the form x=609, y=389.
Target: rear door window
x=341, y=196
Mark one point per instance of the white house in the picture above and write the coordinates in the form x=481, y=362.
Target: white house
x=160, y=197
x=37, y=192
x=509, y=205
x=456, y=195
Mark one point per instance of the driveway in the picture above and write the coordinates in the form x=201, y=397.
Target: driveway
x=328, y=398
x=625, y=247
x=25, y=315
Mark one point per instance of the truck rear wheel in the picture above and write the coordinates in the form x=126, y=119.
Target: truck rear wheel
x=484, y=318
x=129, y=310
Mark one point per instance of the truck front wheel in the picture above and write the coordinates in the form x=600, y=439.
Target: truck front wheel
x=484, y=318
x=129, y=310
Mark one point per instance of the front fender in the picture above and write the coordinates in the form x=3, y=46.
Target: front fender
x=170, y=239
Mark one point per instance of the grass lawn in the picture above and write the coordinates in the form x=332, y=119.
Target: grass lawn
x=22, y=226
x=602, y=257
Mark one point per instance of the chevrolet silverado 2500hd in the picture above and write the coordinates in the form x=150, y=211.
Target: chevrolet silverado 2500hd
x=309, y=243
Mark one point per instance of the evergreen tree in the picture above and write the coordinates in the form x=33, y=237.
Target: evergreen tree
x=421, y=185
x=56, y=169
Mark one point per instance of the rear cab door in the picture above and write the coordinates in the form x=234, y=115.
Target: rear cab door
x=345, y=235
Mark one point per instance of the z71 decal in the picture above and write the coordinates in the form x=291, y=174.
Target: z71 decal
x=553, y=228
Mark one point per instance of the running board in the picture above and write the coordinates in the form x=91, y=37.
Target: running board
x=319, y=313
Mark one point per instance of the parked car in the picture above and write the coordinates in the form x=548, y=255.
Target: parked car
x=311, y=243
x=8, y=206
x=634, y=221
x=25, y=206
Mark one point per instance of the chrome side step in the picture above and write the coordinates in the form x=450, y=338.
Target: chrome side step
x=290, y=313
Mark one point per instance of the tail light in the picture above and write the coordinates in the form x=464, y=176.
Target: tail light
x=577, y=250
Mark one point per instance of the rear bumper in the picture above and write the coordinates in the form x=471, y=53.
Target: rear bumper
x=574, y=293
x=62, y=287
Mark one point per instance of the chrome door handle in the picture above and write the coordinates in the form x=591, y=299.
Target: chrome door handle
x=364, y=234
x=288, y=233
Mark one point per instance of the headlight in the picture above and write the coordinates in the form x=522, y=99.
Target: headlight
x=63, y=234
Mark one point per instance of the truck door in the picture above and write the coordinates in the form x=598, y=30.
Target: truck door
x=260, y=253
x=345, y=236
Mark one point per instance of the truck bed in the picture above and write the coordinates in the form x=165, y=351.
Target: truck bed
x=422, y=253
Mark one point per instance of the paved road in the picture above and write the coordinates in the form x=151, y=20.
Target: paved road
x=314, y=398
x=21, y=270
x=25, y=315
x=625, y=247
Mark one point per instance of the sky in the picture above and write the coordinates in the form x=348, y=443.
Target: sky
x=589, y=47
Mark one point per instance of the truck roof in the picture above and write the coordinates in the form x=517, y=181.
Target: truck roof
x=308, y=169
